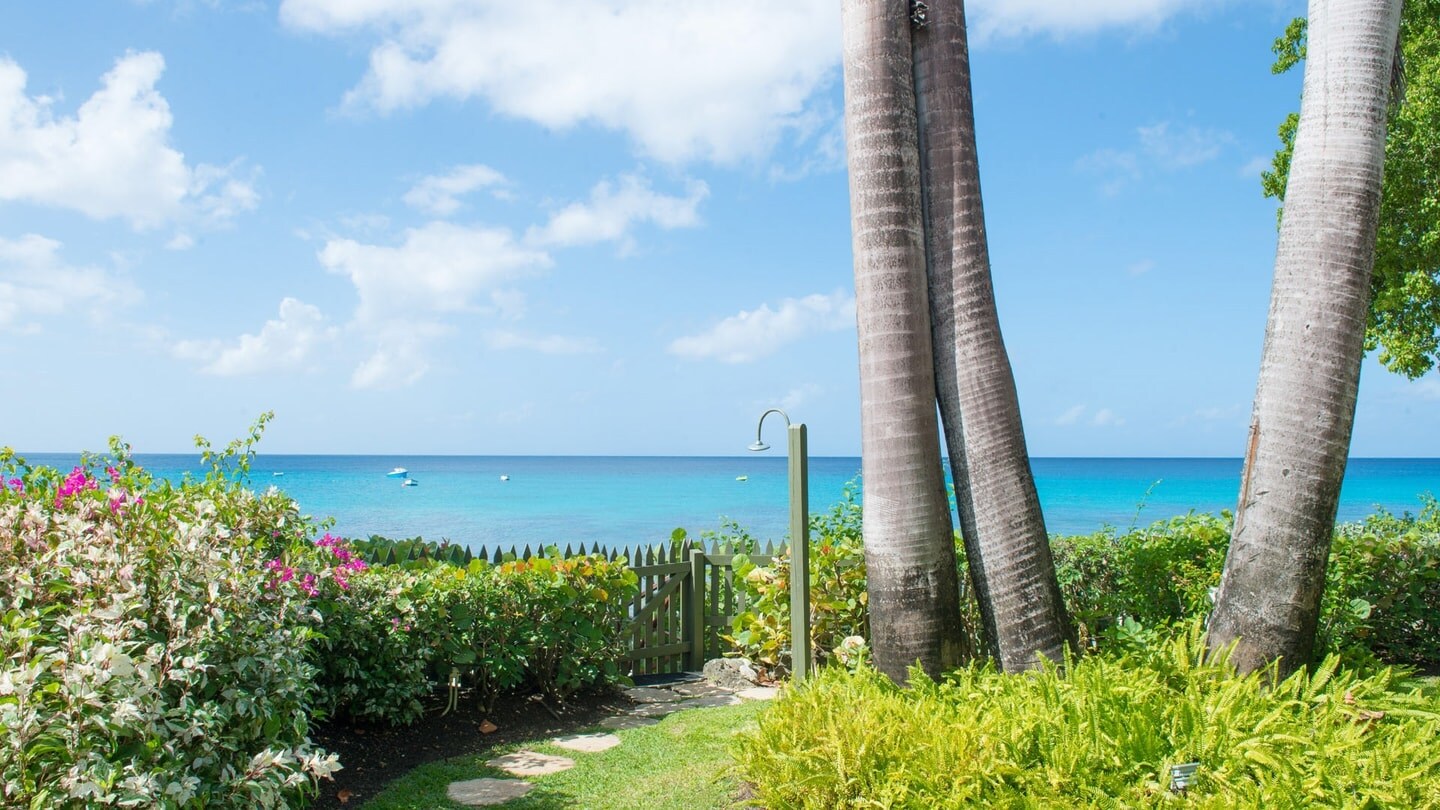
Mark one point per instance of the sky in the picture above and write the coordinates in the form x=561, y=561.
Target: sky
x=611, y=226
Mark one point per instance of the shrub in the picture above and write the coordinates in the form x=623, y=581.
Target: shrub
x=1383, y=587
x=838, y=600
x=551, y=622
x=146, y=662
x=1104, y=732
x=1153, y=576
x=373, y=652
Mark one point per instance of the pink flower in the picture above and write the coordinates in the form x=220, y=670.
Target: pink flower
x=113, y=473
x=308, y=585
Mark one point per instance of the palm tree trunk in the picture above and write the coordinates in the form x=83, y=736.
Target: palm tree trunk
x=1000, y=518
x=909, y=541
x=1268, y=603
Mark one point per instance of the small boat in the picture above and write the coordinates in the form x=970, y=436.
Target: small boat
x=398, y=472
x=409, y=482
x=742, y=478
x=277, y=474
x=504, y=478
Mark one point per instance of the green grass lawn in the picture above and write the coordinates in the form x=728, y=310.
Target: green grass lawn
x=683, y=762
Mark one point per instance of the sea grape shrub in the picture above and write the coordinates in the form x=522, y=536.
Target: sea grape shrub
x=571, y=612
x=1152, y=577
x=1101, y=732
x=1383, y=587
x=146, y=663
x=476, y=617
x=549, y=622
x=839, y=606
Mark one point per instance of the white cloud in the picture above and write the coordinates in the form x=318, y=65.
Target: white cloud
x=757, y=333
x=439, y=267
x=440, y=194
x=1141, y=267
x=547, y=344
x=1254, y=166
x=796, y=397
x=711, y=80
x=282, y=344
x=1160, y=148
x=1427, y=389
x=1071, y=416
x=112, y=159
x=1181, y=148
x=1107, y=418
x=399, y=357
x=34, y=281
x=995, y=19
x=612, y=211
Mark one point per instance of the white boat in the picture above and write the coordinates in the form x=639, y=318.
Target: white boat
x=277, y=474
x=742, y=478
x=409, y=482
x=504, y=478
x=398, y=472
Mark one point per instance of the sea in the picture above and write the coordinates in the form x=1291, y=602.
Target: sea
x=503, y=502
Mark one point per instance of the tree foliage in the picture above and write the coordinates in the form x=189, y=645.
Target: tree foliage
x=1404, y=321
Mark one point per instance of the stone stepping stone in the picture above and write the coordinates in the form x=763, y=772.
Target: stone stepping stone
x=587, y=743
x=712, y=701
x=485, y=792
x=758, y=693
x=530, y=763
x=647, y=694
x=699, y=689
x=656, y=710
x=624, y=721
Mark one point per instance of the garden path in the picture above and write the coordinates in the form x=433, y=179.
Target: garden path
x=650, y=704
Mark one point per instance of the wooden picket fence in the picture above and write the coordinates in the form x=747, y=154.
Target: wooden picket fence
x=685, y=601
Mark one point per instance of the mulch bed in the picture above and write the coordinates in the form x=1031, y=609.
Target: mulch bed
x=374, y=756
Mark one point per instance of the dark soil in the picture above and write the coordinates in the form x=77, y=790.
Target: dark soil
x=373, y=756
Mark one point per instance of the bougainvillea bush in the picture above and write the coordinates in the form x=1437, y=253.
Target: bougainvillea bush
x=150, y=655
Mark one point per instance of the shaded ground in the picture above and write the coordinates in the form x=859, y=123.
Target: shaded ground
x=375, y=755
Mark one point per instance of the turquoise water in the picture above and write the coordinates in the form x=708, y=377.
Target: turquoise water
x=628, y=501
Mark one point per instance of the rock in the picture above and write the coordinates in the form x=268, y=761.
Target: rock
x=699, y=689
x=731, y=673
x=647, y=694
x=587, y=743
x=483, y=792
x=711, y=701
x=656, y=709
x=530, y=763
x=758, y=693
x=622, y=722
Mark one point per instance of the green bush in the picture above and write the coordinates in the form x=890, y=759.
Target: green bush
x=1153, y=576
x=1102, y=733
x=838, y=600
x=549, y=621
x=373, y=652
x=146, y=663
x=1383, y=587
x=1382, y=596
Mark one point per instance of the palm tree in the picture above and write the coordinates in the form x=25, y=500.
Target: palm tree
x=909, y=541
x=1268, y=603
x=1000, y=518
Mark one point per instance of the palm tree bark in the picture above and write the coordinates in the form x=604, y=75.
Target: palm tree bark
x=909, y=540
x=1268, y=603
x=1004, y=530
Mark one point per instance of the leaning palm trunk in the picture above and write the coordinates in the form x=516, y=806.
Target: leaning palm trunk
x=1000, y=518
x=1268, y=602
x=909, y=541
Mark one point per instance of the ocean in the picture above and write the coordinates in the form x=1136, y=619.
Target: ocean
x=629, y=501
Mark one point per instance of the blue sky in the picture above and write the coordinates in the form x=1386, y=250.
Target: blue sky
x=611, y=227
